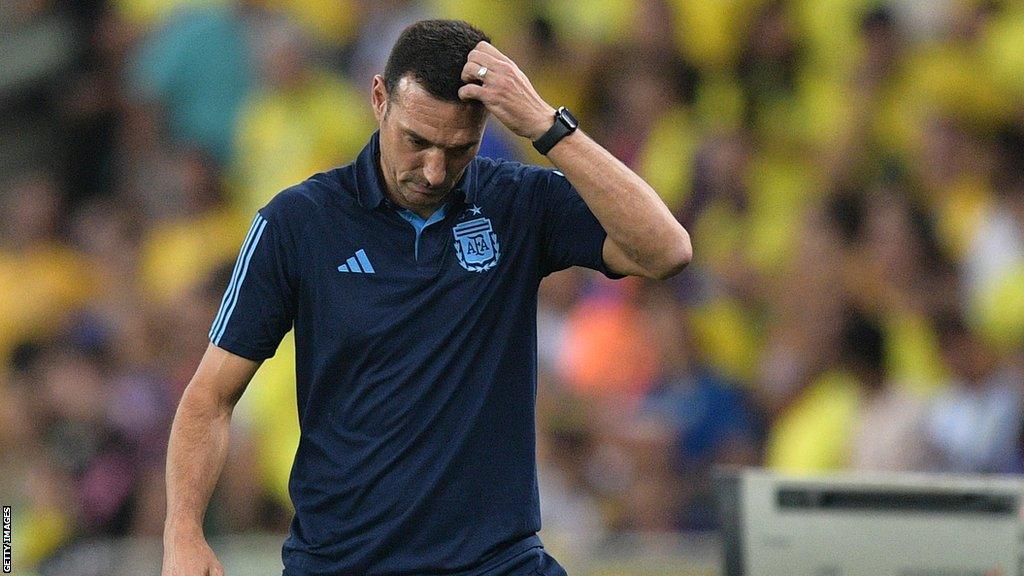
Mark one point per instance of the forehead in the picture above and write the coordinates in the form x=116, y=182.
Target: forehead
x=441, y=122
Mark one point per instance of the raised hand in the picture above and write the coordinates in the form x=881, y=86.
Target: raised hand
x=496, y=81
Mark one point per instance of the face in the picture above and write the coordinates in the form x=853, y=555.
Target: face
x=425, y=143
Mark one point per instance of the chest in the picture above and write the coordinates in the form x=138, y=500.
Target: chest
x=379, y=276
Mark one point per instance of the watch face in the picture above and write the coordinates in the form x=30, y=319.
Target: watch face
x=570, y=121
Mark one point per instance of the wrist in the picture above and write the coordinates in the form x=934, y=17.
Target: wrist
x=542, y=125
x=182, y=529
x=562, y=124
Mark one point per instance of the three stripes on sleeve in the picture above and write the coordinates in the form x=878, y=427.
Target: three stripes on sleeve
x=227, y=303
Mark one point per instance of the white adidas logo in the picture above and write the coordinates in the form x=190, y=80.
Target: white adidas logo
x=359, y=264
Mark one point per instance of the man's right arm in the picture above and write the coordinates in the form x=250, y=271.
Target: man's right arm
x=195, y=456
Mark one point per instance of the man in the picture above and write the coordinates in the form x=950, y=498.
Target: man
x=410, y=277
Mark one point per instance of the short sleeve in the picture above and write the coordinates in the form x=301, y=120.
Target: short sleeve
x=258, y=307
x=570, y=233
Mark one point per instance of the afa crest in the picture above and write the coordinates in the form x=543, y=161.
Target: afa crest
x=476, y=245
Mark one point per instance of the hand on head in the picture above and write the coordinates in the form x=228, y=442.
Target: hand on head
x=496, y=81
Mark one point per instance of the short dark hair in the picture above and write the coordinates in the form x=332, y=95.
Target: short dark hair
x=433, y=52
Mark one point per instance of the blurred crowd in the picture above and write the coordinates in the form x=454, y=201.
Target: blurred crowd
x=851, y=173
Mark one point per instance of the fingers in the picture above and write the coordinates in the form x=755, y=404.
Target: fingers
x=504, y=90
x=471, y=92
x=477, y=60
x=486, y=59
x=487, y=47
x=470, y=71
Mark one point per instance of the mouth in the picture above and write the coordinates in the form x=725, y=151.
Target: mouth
x=425, y=191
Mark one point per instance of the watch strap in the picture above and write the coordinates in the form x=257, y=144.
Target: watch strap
x=560, y=129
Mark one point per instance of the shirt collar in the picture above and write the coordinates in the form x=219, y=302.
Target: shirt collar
x=370, y=184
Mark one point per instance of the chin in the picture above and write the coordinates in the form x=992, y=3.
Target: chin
x=428, y=196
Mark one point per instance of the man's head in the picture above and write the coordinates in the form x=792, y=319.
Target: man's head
x=427, y=134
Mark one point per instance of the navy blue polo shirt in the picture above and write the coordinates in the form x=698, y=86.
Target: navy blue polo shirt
x=416, y=360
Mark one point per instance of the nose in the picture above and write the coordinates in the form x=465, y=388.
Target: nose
x=434, y=168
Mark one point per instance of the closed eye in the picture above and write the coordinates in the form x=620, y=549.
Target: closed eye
x=419, y=142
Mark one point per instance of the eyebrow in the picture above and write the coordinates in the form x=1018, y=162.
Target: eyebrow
x=419, y=138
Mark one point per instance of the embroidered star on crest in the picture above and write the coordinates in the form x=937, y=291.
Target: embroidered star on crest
x=475, y=210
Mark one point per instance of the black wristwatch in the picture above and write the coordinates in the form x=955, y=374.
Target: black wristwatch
x=565, y=124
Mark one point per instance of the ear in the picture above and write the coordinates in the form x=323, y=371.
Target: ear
x=379, y=97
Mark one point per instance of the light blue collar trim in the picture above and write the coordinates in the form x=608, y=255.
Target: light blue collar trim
x=420, y=224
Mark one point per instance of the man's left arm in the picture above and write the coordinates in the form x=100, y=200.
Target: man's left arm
x=644, y=239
